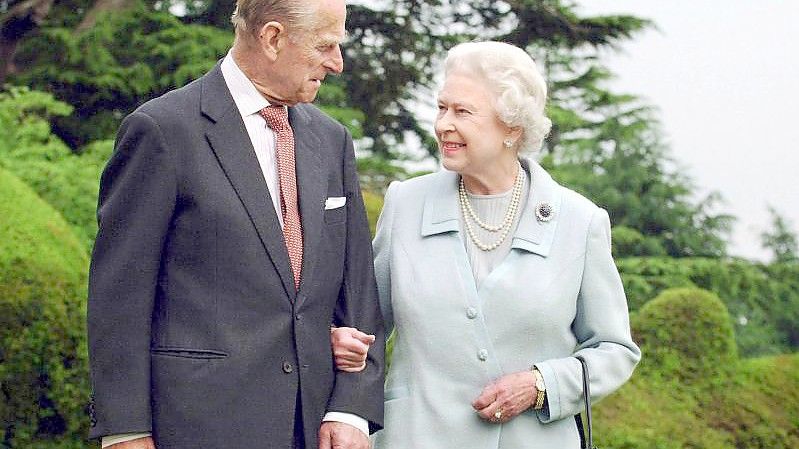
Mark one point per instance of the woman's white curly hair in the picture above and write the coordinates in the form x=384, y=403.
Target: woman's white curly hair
x=519, y=89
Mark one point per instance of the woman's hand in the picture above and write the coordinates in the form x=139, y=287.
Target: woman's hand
x=350, y=347
x=506, y=397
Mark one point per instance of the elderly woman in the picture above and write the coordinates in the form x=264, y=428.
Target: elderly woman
x=494, y=277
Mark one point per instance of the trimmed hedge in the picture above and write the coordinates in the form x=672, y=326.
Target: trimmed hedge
x=763, y=300
x=691, y=390
x=687, y=335
x=43, y=361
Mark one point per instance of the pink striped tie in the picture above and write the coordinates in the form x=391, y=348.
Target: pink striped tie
x=277, y=119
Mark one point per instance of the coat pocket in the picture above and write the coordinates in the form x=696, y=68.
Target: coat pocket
x=188, y=353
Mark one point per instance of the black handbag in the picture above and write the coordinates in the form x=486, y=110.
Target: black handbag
x=586, y=435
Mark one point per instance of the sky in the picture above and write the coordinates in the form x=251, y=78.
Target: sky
x=724, y=75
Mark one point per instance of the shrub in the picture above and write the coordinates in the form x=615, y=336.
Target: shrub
x=43, y=361
x=685, y=334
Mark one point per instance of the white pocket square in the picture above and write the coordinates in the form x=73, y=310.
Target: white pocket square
x=334, y=202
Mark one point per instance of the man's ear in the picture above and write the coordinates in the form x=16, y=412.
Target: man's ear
x=271, y=38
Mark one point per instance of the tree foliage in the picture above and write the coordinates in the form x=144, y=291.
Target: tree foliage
x=108, y=70
x=780, y=240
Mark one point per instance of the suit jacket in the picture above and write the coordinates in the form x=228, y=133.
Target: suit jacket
x=196, y=332
x=555, y=295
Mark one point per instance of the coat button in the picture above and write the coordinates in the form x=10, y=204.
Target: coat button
x=482, y=355
x=471, y=313
x=287, y=367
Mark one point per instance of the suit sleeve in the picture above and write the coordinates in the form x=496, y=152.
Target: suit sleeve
x=136, y=202
x=359, y=393
x=602, y=329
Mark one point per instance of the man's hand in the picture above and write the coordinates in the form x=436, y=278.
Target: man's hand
x=350, y=347
x=338, y=435
x=505, y=398
x=138, y=443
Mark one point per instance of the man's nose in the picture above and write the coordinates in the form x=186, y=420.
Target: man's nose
x=335, y=63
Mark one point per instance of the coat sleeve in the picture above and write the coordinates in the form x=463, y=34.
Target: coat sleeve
x=382, y=248
x=359, y=393
x=136, y=202
x=601, y=327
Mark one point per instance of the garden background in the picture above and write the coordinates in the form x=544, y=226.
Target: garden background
x=719, y=334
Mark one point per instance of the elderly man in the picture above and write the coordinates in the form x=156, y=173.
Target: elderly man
x=232, y=235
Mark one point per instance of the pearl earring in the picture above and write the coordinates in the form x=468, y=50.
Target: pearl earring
x=508, y=143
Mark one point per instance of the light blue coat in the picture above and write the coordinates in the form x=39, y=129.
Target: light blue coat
x=557, y=294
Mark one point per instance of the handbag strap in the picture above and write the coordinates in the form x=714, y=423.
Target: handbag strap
x=589, y=438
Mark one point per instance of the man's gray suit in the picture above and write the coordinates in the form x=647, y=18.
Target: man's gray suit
x=196, y=332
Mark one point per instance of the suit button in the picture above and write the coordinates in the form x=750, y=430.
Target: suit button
x=298, y=317
x=287, y=367
x=471, y=313
x=482, y=355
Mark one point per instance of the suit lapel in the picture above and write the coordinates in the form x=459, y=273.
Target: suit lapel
x=312, y=189
x=231, y=144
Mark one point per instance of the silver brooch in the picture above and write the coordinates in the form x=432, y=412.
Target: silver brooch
x=544, y=212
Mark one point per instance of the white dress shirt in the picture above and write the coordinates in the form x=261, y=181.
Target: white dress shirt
x=249, y=103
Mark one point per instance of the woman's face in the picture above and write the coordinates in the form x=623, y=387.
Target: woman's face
x=470, y=135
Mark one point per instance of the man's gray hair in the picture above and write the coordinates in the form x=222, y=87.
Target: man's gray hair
x=519, y=90
x=251, y=15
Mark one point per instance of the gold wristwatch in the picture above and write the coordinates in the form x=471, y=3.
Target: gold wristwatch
x=541, y=389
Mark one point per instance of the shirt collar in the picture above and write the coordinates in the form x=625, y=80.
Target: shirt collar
x=247, y=98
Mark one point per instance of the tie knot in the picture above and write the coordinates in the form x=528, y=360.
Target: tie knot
x=276, y=117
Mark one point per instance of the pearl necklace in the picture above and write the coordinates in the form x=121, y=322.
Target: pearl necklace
x=506, y=224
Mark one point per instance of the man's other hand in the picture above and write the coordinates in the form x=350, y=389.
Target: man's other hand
x=338, y=435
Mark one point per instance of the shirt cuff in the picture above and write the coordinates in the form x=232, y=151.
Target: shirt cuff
x=348, y=418
x=121, y=438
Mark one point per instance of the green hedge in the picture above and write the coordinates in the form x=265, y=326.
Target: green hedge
x=692, y=391
x=43, y=362
x=69, y=182
x=763, y=300
x=687, y=335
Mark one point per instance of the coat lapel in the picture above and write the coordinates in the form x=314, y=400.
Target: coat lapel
x=440, y=220
x=312, y=189
x=531, y=234
x=231, y=144
x=440, y=214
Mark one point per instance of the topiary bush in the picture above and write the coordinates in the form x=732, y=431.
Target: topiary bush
x=43, y=357
x=685, y=334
